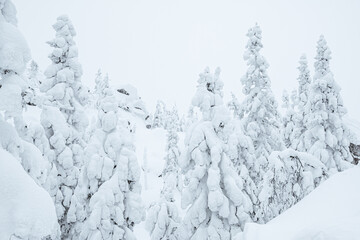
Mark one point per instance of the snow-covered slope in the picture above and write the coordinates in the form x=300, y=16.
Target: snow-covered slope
x=26, y=210
x=330, y=212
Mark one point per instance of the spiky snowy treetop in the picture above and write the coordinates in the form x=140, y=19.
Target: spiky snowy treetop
x=323, y=57
x=326, y=136
x=304, y=80
x=101, y=84
x=235, y=107
x=208, y=93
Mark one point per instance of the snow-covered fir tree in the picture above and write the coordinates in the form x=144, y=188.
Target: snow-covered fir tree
x=261, y=121
x=101, y=84
x=34, y=77
x=235, y=107
x=63, y=116
x=191, y=118
x=107, y=203
x=326, y=136
x=213, y=193
x=172, y=149
x=172, y=120
x=298, y=112
x=159, y=115
x=290, y=119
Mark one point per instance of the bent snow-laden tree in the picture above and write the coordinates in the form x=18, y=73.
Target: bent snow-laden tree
x=63, y=117
x=326, y=136
x=261, y=121
x=213, y=192
x=107, y=203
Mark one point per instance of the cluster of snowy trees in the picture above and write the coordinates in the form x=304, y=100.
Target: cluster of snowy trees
x=248, y=166
x=92, y=176
x=252, y=165
x=167, y=118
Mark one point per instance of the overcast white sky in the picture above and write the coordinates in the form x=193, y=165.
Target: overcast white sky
x=161, y=46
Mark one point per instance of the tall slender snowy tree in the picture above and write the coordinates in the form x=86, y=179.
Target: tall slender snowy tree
x=216, y=202
x=65, y=98
x=298, y=113
x=326, y=136
x=107, y=203
x=261, y=119
x=101, y=84
x=159, y=115
x=290, y=119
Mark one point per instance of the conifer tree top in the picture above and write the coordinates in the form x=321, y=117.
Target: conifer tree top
x=256, y=76
x=323, y=57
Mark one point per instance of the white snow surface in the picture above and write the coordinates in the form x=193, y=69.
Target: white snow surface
x=330, y=212
x=26, y=210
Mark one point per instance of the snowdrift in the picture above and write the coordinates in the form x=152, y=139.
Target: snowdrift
x=26, y=210
x=331, y=212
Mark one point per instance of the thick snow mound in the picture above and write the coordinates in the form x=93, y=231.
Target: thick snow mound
x=26, y=210
x=330, y=212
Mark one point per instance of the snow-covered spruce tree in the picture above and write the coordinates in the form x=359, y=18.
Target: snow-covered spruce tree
x=64, y=98
x=171, y=119
x=326, y=136
x=172, y=149
x=213, y=193
x=290, y=119
x=191, y=118
x=101, y=83
x=106, y=203
x=290, y=177
x=235, y=107
x=162, y=218
x=304, y=81
x=159, y=115
x=261, y=119
x=33, y=81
